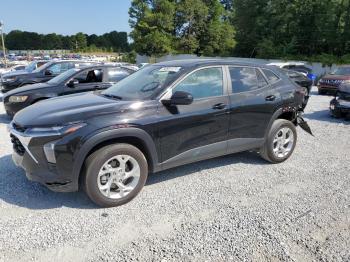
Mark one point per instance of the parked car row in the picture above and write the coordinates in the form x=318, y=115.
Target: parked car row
x=159, y=117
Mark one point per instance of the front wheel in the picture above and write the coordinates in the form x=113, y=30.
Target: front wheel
x=280, y=142
x=115, y=174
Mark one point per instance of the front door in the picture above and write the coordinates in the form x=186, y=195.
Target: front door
x=87, y=80
x=197, y=131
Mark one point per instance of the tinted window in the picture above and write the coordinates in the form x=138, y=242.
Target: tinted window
x=90, y=76
x=243, y=79
x=60, y=68
x=261, y=79
x=203, y=83
x=270, y=76
x=116, y=74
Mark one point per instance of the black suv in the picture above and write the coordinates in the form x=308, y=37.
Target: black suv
x=164, y=115
x=42, y=74
x=75, y=80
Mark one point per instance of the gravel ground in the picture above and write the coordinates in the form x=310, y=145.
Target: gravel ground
x=236, y=207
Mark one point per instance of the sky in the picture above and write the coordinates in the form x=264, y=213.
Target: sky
x=65, y=17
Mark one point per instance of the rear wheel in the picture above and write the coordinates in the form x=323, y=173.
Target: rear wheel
x=280, y=142
x=115, y=174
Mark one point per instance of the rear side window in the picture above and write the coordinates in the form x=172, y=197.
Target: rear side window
x=116, y=74
x=207, y=82
x=261, y=79
x=272, y=77
x=243, y=79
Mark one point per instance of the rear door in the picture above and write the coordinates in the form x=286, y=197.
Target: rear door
x=252, y=104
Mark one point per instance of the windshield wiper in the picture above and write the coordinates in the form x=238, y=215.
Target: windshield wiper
x=113, y=96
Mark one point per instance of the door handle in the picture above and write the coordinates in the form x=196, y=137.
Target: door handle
x=219, y=106
x=270, y=98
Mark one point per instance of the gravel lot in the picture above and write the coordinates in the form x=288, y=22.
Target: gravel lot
x=236, y=207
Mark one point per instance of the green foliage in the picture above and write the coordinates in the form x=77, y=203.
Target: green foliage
x=130, y=57
x=113, y=41
x=199, y=27
x=153, y=25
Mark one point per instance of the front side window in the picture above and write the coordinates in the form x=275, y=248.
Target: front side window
x=89, y=76
x=203, y=83
x=243, y=79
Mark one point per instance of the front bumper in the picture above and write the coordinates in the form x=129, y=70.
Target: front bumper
x=328, y=88
x=29, y=154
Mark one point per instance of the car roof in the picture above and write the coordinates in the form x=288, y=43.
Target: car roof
x=208, y=62
x=101, y=66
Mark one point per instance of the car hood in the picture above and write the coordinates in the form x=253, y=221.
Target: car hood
x=336, y=77
x=72, y=108
x=22, y=89
x=16, y=74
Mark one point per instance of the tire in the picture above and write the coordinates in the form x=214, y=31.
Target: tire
x=96, y=164
x=267, y=150
x=321, y=92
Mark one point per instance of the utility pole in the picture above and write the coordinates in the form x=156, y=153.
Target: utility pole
x=3, y=42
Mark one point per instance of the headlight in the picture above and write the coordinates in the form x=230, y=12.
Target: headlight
x=55, y=130
x=9, y=79
x=17, y=99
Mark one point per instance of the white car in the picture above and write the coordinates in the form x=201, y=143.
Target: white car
x=12, y=68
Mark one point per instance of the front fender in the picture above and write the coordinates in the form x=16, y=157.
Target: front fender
x=104, y=136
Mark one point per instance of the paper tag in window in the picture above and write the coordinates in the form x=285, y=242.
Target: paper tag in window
x=170, y=69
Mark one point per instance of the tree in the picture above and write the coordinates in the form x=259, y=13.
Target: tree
x=80, y=40
x=153, y=26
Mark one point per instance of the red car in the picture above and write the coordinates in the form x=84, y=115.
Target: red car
x=330, y=83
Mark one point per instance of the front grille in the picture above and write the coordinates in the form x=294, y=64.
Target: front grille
x=19, y=128
x=331, y=82
x=17, y=145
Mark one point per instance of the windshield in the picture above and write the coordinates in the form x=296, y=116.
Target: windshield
x=143, y=84
x=63, y=77
x=342, y=71
x=40, y=68
x=31, y=66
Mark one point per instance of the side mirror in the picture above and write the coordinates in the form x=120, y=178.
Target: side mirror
x=179, y=98
x=48, y=72
x=72, y=83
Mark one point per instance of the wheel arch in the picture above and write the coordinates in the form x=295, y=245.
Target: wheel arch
x=282, y=113
x=134, y=136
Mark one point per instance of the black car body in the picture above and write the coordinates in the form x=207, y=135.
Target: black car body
x=40, y=75
x=164, y=115
x=340, y=105
x=75, y=80
x=301, y=80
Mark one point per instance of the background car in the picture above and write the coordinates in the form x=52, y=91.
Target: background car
x=42, y=74
x=301, y=80
x=297, y=67
x=331, y=82
x=340, y=105
x=75, y=80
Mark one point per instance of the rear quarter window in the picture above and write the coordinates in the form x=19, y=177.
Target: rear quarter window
x=271, y=76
